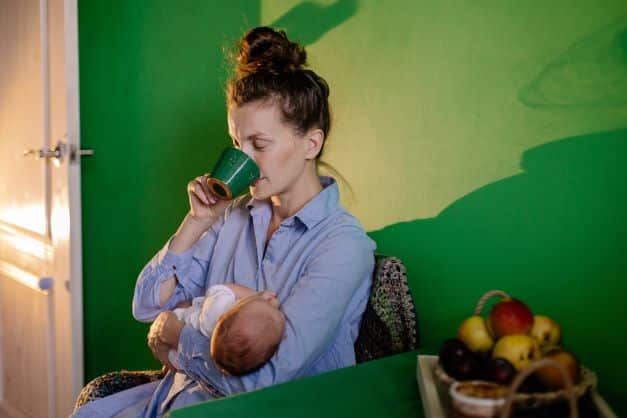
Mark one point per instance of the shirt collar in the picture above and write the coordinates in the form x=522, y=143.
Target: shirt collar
x=314, y=211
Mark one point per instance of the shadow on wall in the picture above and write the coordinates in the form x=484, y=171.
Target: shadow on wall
x=554, y=236
x=308, y=21
x=593, y=72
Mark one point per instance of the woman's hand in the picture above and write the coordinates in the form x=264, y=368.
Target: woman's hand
x=204, y=206
x=164, y=335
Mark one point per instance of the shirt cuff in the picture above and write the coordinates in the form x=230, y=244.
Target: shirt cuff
x=171, y=264
x=171, y=261
x=192, y=344
x=192, y=347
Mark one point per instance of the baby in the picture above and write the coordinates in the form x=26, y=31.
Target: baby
x=245, y=326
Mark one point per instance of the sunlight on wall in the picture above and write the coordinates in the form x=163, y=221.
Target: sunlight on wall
x=427, y=102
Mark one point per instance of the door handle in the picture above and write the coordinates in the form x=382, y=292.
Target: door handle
x=58, y=153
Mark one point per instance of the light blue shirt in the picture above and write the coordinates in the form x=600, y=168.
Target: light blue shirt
x=319, y=262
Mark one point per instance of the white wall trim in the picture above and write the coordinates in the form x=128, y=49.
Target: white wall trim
x=74, y=178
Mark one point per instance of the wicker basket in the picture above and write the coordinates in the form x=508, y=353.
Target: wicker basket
x=587, y=378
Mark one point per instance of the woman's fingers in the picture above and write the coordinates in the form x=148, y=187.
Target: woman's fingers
x=194, y=188
x=199, y=189
x=203, y=183
x=154, y=343
x=159, y=349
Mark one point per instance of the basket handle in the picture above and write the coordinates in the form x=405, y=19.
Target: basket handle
x=532, y=367
x=487, y=296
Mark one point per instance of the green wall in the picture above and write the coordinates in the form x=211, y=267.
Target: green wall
x=152, y=106
x=485, y=144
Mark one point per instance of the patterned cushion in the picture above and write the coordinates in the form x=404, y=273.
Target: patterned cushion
x=389, y=322
x=113, y=382
x=387, y=327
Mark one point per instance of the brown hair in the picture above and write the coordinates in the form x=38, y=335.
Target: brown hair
x=238, y=349
x=271, y=67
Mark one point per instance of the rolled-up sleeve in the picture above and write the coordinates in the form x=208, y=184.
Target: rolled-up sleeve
x=314, y=312
x=189, y=268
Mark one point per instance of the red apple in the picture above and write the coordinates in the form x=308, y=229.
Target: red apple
x=510, y=316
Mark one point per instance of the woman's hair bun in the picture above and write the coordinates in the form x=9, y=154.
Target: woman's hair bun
x=265, y=49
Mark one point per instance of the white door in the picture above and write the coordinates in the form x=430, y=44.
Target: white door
x=41, y=358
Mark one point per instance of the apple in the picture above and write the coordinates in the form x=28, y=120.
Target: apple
x=545, y=330
x=510, y=316
x=475, y=335
x=518, y=349
x=551, y=377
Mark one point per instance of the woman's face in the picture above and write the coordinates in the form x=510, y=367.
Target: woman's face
x=257, y=129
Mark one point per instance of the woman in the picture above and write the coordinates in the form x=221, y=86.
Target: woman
x=290, y=237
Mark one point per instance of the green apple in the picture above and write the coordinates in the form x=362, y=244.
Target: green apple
x=545, y=330
x=474, y=333
x=518, y=349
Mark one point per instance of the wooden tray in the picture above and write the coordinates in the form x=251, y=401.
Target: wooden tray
x=436, y=400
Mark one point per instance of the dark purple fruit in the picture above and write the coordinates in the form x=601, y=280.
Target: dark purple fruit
x=532, y=385
x=499, y=370
x=457, y=360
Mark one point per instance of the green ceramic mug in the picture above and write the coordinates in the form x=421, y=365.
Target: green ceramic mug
x=233, y=173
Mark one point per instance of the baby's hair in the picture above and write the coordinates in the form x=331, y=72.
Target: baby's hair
x=237, y=348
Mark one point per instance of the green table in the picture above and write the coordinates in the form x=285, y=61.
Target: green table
x=380, y=388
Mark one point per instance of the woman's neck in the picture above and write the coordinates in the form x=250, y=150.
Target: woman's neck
x=289, y=203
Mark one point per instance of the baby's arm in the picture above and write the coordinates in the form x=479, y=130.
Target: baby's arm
x=218, y=300
x=240, y=291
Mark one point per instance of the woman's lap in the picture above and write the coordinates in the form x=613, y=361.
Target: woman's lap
x=126, y=404
x=152, y=399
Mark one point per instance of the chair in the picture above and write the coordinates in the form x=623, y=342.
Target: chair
x=388, y=327
x=389, y=323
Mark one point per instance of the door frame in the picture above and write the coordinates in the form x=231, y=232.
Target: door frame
x=70, y=23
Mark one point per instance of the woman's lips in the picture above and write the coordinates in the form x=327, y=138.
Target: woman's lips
x=257, y=181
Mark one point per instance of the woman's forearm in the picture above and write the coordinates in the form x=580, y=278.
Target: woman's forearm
x=188, y=233
x=190, y=230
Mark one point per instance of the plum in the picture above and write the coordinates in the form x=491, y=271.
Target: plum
x=499, y=370
x=457, y=360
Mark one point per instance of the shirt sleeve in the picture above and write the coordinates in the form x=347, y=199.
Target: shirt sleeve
x=189, y=268
x=313, y=311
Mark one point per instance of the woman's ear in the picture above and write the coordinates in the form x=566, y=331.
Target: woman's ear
x=314, y=139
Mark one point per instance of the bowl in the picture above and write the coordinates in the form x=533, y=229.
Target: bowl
x=478, y=398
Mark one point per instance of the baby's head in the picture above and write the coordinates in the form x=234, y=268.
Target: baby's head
x=247, y=335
